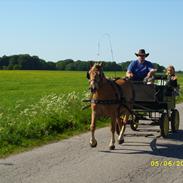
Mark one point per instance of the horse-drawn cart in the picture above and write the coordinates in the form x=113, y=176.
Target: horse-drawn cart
x=156, y=102
x=120, y=98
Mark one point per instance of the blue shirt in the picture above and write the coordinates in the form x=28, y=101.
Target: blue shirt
x=140, y=70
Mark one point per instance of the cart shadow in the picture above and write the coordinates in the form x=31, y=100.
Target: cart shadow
x=168, y=148
x=139, y=135
x=148, y=130
x=7, y=164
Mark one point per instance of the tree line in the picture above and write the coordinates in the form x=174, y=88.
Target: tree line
x=27, y=62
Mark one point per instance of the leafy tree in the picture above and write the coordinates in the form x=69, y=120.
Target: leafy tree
x=70, y=67
x=124, y=65
x=61, y=65
x=51, y=66
x=17, y=67
x=4, y=61
x=159, y=68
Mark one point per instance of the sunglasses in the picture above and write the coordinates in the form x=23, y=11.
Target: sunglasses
x=141, y=55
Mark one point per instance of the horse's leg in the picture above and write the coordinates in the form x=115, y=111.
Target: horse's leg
x=93, y=142
x=112, y=141
x=118, y=125
x=121, y=135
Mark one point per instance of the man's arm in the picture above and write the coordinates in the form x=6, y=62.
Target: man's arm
x=129, y=72
x=151, y=70
x=151, y=73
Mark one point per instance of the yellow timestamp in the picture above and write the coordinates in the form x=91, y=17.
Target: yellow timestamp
x=166, y=163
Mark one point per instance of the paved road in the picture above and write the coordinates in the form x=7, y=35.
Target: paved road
x=73, y=161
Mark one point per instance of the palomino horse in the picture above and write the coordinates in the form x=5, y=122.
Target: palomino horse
x=110, y=99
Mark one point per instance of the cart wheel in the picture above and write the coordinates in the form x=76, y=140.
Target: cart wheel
x=164, y=125
x=134, y=124
x=175, y=119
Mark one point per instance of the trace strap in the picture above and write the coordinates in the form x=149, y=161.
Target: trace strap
x=108, y=102
x=104, y=102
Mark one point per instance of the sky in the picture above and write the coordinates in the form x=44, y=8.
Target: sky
x=73, y=29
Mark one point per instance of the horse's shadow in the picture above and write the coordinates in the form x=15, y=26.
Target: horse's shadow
x=167, y=148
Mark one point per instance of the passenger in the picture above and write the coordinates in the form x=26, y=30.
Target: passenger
x=171, y=77
x=172, y=86
x=141, y=69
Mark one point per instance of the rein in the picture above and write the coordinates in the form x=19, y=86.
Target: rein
x=104, y=102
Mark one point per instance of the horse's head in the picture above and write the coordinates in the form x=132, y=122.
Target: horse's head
x=95, y=76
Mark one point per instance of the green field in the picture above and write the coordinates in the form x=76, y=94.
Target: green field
x=39, y=106
x=26, y=87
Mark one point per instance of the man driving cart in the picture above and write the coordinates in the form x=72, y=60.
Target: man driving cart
x=141, y=69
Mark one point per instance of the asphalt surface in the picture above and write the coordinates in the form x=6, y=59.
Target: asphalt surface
x=144, y=157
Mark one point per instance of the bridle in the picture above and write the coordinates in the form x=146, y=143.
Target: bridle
x=96, y=80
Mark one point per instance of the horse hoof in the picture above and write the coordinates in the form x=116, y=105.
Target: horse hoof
x=121, y=141
x=112, y=147
x=93, y=144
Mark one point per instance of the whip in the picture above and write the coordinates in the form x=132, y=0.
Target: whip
x=110, y=45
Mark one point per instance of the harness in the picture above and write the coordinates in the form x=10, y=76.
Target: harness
x=118, y=94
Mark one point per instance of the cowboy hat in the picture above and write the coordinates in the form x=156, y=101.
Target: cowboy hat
x=142, y=52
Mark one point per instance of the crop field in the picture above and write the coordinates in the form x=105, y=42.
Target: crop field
x=26, y=87
x=39, y=106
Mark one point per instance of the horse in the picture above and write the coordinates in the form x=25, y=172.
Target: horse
x=109, y=98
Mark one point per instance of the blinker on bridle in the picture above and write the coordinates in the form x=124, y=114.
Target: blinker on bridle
x=95, y=80
x=87, y=75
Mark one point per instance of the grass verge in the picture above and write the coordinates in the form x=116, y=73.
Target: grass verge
x=52, y=118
